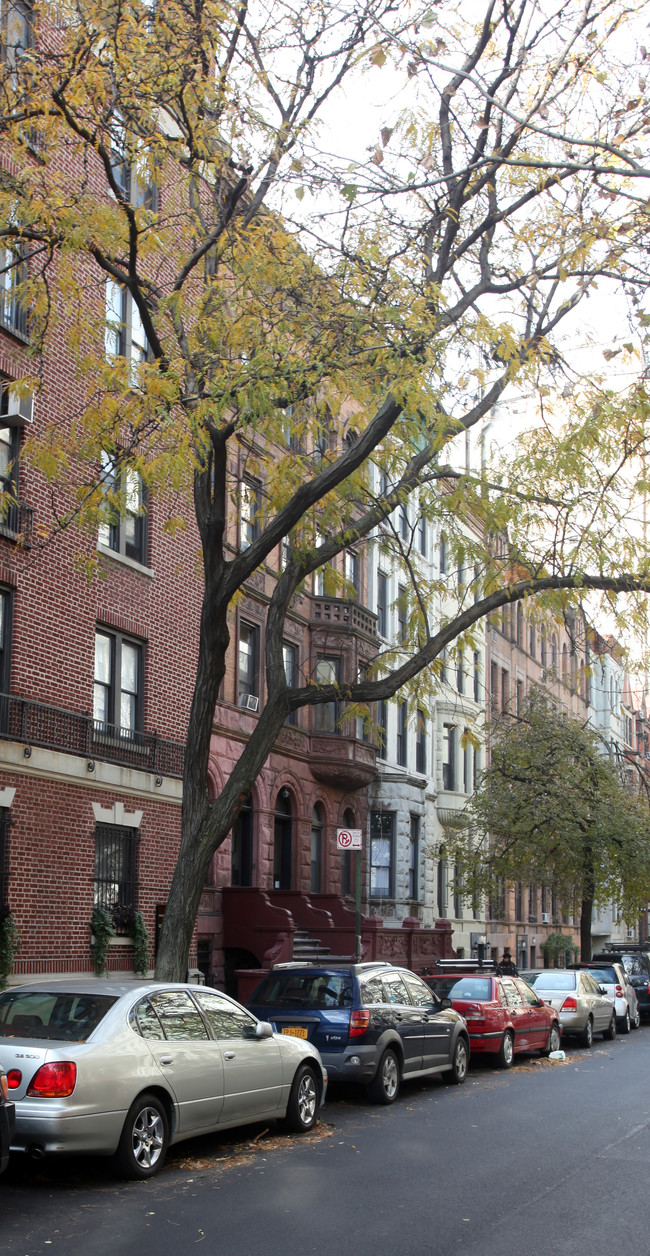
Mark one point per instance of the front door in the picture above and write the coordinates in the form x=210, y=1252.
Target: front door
x=407, y=1020
x=437, y=1025
x=188, y=1059
x=282, y=845
x=252, y=1067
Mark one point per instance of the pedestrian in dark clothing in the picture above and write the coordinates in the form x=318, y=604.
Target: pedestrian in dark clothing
x=507, y=967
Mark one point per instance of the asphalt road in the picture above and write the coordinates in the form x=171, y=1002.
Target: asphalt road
x=547, y=1158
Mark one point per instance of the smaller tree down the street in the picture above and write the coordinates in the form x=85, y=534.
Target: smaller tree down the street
x=553, y=810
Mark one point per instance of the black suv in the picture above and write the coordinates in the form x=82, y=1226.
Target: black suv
x=635, y=959
x=372, y=1023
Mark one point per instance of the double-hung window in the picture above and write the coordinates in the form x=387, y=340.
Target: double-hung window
x=13, y=273
x=326, y=714
x=125, y=335
x=128, y=167
x=414, y=857
x=248, y=680
x=117, y=705
x=422, y=535
x=382, y=727
x=402, y=613
x=124, y=528
x=10, y=515
x=251, y=500
x=290, y=660
x=382, y=843
x=448, y=756
x=421, y=742
x=352, y=573
x=382, y=604
x=402, y=733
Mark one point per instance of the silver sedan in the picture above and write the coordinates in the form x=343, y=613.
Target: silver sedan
x=127, y=1068
x=584, y=1010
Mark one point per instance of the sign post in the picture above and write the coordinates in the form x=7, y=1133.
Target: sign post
x=352, y=839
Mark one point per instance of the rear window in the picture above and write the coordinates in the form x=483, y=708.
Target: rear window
x=606, y=976
x=308, y=991
x=58, y=1016
x=554, y=981
x=636, y=965
x=462, y=987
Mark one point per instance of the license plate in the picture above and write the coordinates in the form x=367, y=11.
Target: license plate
x=296, y=1031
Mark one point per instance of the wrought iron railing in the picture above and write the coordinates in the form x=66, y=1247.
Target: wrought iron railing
x=13, y=314
x=55, y=729
x=17, y=521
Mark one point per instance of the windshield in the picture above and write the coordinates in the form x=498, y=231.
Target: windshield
x=304, y=990
x=554, y=981
x=58, y=1016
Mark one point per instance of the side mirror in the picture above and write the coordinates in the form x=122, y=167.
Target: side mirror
x=446, y=1003
x=263, y=1030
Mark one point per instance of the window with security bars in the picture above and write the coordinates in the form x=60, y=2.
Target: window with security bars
x=5, y=819
x=116, y=868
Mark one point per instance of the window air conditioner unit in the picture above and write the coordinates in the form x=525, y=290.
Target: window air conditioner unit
x=249, y=701
x=20, y=410
x=546, y=917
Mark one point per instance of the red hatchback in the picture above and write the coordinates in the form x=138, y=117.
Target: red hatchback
x=504, y=1015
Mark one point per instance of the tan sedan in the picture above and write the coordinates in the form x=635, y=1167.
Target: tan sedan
x=126, y=1068
x=583, y=1008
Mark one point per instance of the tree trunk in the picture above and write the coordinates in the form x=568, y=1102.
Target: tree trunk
x=586, y=912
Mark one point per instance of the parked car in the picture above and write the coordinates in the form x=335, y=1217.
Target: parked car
x=583, y=1008
x=617, y=986
x=7, y=1121
x=635, y=959
x=372, y=1023
x=504, y=1016
x=126, y=1068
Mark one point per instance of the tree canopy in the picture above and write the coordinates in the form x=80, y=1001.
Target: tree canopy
x=552, y=809
x=240, y=285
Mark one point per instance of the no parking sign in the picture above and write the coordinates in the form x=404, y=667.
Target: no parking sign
x=349, y=839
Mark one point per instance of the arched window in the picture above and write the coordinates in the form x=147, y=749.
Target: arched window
x=241, y=863
x=317, y=825
x=283, y=842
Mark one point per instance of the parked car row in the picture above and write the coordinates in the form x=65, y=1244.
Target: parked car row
x=125, y=1069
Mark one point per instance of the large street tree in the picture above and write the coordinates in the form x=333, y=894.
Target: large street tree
x=553, y=809
x=296, y=283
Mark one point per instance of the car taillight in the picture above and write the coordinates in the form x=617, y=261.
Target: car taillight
x=569, y=1005
x=619, y=992
x=474, y=1012
x=14, y=1078
x=54, y=1081
x=359, y=1022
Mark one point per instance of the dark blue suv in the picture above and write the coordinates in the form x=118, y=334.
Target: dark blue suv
x=372, y=1023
